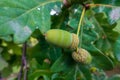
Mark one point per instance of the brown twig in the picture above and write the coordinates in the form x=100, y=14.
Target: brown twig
x=24, y=63
x=0, y=76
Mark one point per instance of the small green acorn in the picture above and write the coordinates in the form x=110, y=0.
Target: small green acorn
x=62, y=38
x=82, y=56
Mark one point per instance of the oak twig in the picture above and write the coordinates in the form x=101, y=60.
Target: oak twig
x=23, y=63
x=0, y=76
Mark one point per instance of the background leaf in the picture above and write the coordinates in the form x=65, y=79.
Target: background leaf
x=112, y=13
x=115, y=77
x=111, y=2
x=117, y=48
x=3, y=63
x=23, y=17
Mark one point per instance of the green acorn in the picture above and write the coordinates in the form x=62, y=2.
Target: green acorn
x=62, y=38
x=82, y=56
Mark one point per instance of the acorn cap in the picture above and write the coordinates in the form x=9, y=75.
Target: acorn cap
x=75, y=41
x=82, y=56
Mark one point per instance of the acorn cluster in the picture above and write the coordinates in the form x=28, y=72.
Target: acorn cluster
x=65, y=39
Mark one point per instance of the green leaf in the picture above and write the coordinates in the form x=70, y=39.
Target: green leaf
x=107, y=37
x=56, y=76
x=38, y=70
x=59, y=65
x=13, y=48
x=40, y=51
x=43, y=51
x=86, y=72
x=117, y=28
x=3, y=63
x=54, y=53
x=99, y=75
x=6, y=38
x=39, y=73
x=71, y=75
x=111, y=13
x=111, y=2
x=21, y=18
x=115, y=77
x=74, y=16
x=34, y=64
x=89, y=36
x=101, y=61
x=1, y=49
x=117, y=48
x=63, y=63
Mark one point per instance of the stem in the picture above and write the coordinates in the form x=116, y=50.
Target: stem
x=95, y=5
x=81, y=36
x=25, y=60
x=81, y=18
x=20, y=73
x=80, y=22
x=24, y=63
x=0, y=76
x=25, y=73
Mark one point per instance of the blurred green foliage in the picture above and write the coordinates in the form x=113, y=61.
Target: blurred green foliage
x=24, y=20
